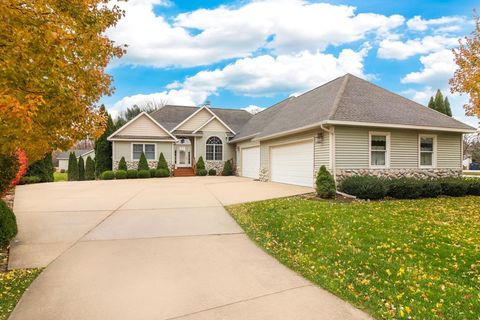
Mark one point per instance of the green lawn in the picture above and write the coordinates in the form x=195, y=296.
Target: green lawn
x=59, y=176
x=476, y=173
x=12, y=285
x=417, y=259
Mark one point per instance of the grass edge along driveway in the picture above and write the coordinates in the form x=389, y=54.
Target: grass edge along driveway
x=405, y=259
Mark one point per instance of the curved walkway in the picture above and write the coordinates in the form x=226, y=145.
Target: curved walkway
x=155, y=249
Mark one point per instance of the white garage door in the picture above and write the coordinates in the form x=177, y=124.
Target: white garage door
x=251, y=162
x=292, y=163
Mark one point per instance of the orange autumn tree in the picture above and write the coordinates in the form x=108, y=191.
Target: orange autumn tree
x=466, y=78
x=53, y=56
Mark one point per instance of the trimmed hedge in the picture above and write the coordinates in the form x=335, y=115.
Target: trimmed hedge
x=201, y=172
x=122, y=164
x=161, y=173
x=132, y=174
x=325, y=184
x=89, y=169
x=404, y=188
x=365, y=187
x=212, y=172
x=121, y=174
x=8, y=224
x=30, y=180
x=162, y=164
x=369, y=187
x=143, y=174
x=108, y=175
x=200, y=164
x=143, y=163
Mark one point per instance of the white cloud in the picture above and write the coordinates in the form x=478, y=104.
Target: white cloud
x=417, y=23
x=267, y=75
x=206, y=36
x=438, y=67
x=253, y=109
x=400, y=50
x=179, y=97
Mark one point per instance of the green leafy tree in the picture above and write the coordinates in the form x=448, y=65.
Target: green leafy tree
x=90, y=169
x=448, y=109
x=72, y=167
x=122, y=164
x=103, y=147
x=431, y=104
x=325, y=184
x=143, y=163
x=43, y=169
x=81, y=169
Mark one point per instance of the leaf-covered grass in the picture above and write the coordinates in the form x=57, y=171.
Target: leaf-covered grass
x=59, y=176
x=417, y=259
x=12, y=285
x=474, y=173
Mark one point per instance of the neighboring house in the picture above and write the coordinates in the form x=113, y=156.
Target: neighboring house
x=62, y=157
x=351, y=126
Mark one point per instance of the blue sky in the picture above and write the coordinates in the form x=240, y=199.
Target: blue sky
x=238, y=54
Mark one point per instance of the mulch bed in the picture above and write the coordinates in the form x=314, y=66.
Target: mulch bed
x=339, y=198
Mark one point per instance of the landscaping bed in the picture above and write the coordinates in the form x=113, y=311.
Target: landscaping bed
x=417, y=259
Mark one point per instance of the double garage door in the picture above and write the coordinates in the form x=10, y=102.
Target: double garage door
x=291, y=163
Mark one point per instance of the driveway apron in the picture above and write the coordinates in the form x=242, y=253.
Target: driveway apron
x=156, y=249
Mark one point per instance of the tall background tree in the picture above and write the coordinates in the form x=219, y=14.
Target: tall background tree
x=135, y=110
x=440, y=104
x=466, y=78
x=53, y=57
x=103, y=147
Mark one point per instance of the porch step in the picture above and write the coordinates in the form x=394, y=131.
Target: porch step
x=183, y=172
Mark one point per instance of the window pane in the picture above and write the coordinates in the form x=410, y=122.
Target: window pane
x=137, y=151
x=379, y=143
x=426, y=144
x=150, y=151
x=378, y=158
x=426, y=158
x=209, y=152
x=218, y=152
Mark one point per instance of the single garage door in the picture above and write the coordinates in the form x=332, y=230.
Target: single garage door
x=292, y=163
x=251, y=162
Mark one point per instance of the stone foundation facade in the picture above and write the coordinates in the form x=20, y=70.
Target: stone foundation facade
x=399, y=173
x=264, y=174
x=215, y=164
x=133, y=165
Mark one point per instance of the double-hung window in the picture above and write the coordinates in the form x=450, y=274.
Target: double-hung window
x=427, y=150
x=147, y=148
x=379, y=149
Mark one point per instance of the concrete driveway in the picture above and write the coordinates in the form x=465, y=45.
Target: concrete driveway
x=155, y=249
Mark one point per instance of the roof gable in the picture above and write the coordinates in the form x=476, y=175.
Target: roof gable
x=142, y=125
x=197, y=119
x=213, y=125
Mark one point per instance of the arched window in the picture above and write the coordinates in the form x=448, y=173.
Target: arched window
x=214, y=149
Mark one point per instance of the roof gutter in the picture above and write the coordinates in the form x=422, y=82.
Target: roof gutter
x=399, y=126
x=284, y=133
x=243, y=139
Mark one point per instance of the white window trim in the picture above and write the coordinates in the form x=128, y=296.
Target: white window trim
x=143, y=144
x=387, y=152
x=434, y=156
x=223, y=148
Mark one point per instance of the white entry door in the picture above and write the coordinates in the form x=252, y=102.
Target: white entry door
x=292, y=163
x=251, y=162
x=183, y=153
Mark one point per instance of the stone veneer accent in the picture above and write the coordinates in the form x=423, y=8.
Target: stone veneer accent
x=215, y=164
x=133, y=165
x=264, y=174
x=399, y=173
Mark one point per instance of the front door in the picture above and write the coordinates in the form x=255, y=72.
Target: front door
x=183, y=153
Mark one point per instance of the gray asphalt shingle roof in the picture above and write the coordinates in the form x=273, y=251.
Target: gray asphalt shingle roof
x=170, y=116
x=347, y=98
x=78, y=153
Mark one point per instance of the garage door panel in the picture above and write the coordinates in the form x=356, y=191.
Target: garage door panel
x=251, y=162
x=292, y=164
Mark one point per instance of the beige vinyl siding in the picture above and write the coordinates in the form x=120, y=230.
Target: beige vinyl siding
x=124, y=149
x=244, y=145
x=352, y=147
x=322, y=151
x=449, y=149
x=143, y=126
x=214, y=126
x=228, y=149
x=196, y=121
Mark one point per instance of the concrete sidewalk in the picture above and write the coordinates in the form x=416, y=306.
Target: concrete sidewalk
x=156, y=249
